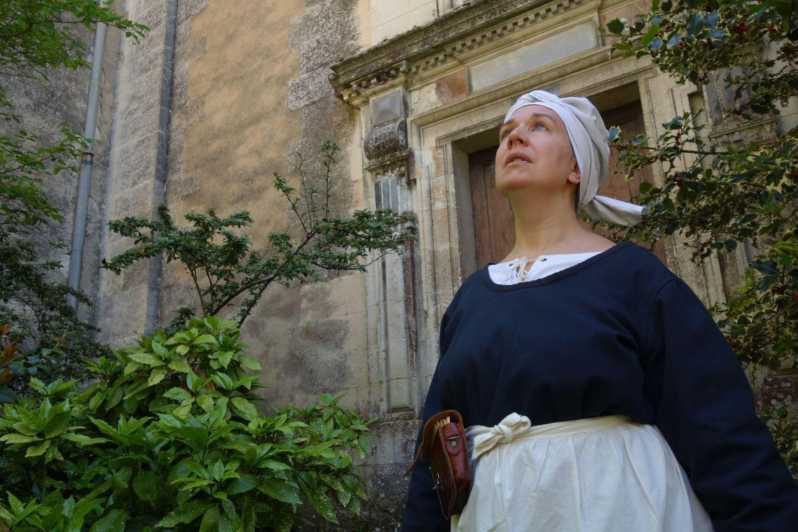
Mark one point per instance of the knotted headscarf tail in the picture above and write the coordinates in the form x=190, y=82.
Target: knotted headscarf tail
x=590, y=143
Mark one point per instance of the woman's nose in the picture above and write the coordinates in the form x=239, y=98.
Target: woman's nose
x=515, y=137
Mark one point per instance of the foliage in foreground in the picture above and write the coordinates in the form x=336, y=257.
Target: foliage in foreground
x=740, y=191
x=168, y=437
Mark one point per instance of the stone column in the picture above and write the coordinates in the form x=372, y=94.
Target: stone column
x=393, y=276
x=129, y=302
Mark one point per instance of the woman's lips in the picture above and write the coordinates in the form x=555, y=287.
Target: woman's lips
x=517, y=158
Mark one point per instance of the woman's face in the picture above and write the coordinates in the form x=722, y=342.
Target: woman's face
x=534, y=151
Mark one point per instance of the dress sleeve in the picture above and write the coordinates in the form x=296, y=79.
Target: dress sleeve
x=704, y=408
x=422, y=511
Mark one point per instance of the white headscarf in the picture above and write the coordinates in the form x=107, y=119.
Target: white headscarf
x=590, y=143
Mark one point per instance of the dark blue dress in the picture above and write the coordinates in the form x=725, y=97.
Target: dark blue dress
x=617, y=334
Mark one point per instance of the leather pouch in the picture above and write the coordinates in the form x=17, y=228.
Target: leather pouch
x=443, y=444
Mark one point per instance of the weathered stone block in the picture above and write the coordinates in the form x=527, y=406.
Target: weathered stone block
x=452, y=87
x=309, y=88
x=533, y=56
x=388, y=107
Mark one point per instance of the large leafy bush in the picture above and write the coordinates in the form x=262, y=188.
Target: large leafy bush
x=724, y=191
x=167, y=436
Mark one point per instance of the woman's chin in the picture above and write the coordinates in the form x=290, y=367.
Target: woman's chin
x=510, y=185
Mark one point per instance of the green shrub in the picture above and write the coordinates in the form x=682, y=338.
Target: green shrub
x=167, y=436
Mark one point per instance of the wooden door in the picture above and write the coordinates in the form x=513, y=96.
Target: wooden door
x=494, y=234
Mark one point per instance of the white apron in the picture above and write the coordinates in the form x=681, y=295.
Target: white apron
x=603, y=474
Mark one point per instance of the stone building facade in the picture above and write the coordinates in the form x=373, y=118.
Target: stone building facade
x=220, y=93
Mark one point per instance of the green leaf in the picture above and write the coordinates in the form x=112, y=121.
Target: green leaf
x=321, y=502
x=182, y=349
x=223, y=381
x=156, y=376
x=210, y=521
x=96, y=400
x=18, y=438
x=180, y=365
x=82, y=439
x=280, y=490
x=249, y=363
x=59, y=422
x=184, y=515
x=147, y=360
x=224, y=358
x=146, y=486
x=38, y=450
x=616, y=26
x=344, y=496
x=83, y=508
x=217, y=470
x=177, y=394
x=206, y=339
x=113, y=521
x=191, y=485
x=244, y=408
x=193, y=381
x=183, y=410
x=354, y=506
x=38, y=386
x=205, y=402
x=273, y=465
x=130, y=368
x=242, y=485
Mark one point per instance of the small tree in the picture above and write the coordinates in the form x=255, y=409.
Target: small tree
x=226, y=272
x=724, y=194
x=36, y=37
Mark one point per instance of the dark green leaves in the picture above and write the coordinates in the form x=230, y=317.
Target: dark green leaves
x=729, y=198
x=189, y=450
x=694, y=41
x=616, y=26
x=225, y=270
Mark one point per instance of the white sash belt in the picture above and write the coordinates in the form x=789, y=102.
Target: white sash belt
x=516, y=427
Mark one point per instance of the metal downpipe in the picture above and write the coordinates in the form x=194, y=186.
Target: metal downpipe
x=86, y=167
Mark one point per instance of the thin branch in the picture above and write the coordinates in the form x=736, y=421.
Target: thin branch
x=681, y=150
x=295, y=210
x=264, y=283
x=193, y=274
x=327, y=173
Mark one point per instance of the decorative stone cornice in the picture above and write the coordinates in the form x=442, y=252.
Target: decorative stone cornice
x=396, y=163
x=458, y=33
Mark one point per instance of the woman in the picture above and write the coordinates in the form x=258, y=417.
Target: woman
x=598, y=392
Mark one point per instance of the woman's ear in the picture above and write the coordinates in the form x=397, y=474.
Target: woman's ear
x=575, y=176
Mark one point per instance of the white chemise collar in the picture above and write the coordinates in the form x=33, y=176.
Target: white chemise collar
x=518, y=270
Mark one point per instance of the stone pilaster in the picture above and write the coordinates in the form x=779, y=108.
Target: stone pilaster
x=128, y=306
